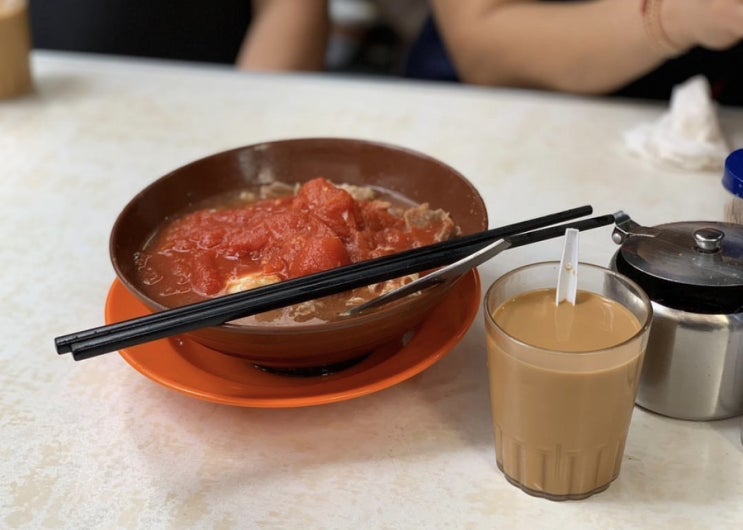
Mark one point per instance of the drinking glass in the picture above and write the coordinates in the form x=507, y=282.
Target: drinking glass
x=15, y=47
x=561, y=418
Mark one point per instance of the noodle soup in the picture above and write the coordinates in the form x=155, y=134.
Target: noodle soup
x=259, y=236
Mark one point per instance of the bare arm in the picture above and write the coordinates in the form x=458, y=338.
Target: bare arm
x=286, y=35
x=592, y=46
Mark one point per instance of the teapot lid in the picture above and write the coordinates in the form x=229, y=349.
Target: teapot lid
x=691, y=253
x=694, y=266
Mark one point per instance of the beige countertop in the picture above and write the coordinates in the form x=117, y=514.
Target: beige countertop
x=96, y=445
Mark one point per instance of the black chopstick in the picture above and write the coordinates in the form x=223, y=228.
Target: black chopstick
x=104, y=339
x=442, y=253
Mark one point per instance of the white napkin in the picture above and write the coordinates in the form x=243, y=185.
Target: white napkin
x=688, y=136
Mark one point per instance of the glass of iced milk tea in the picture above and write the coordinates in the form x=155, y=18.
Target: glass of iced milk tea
x=563, y=379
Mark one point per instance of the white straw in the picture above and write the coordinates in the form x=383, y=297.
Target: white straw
x=567, y=277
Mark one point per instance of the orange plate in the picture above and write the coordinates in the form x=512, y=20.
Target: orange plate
x=186, y=366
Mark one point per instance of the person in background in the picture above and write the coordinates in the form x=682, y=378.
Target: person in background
x=628, y=47
x=362, y=36
x=286, y=35
x=638, y=48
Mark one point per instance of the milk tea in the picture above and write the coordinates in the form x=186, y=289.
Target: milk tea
x=563, y=381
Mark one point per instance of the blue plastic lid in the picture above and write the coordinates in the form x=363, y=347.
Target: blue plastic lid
x=732, y=179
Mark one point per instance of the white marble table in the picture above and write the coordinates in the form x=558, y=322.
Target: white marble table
x=96, y=445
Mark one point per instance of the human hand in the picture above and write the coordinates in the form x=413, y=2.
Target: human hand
x=712, y=24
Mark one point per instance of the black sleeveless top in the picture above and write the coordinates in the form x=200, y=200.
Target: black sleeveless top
x=428, y=59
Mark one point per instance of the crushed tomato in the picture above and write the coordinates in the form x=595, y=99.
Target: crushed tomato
x=319, y=228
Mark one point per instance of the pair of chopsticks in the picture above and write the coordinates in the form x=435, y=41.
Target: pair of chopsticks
x=96, y=341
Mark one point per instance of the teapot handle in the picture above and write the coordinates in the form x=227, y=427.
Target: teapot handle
x=626, y=228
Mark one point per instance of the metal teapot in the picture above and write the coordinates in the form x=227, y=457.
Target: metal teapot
x=693, y=274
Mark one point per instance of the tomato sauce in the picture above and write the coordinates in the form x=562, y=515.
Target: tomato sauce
x=322, y=226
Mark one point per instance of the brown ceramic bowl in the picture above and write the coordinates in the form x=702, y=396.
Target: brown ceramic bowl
x=414, y=175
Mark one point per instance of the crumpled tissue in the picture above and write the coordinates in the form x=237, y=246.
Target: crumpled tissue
x=688, y=136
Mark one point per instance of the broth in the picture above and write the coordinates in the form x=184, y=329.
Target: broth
x=260, y=236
